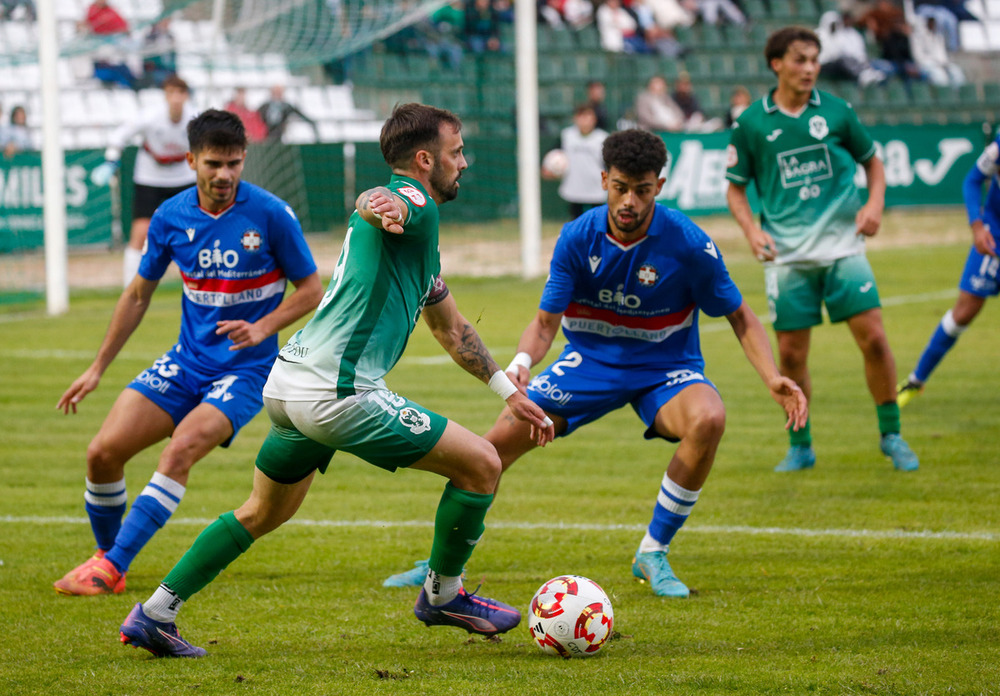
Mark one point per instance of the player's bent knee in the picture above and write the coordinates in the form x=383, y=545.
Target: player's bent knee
x=103, y=462
x=708, y=425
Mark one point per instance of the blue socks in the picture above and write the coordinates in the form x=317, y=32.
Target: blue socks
x=105, y=505
x=150, y=511
x=941, y=342
x=673, y=505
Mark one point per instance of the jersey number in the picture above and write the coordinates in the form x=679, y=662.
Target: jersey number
x=571, y=360
x=338, y=272
x=989, y=266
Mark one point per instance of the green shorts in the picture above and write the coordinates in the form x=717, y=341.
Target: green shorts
x=381, y=427
x=796, y=294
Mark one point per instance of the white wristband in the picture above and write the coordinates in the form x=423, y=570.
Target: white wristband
x=501, y=385
x=522, y=359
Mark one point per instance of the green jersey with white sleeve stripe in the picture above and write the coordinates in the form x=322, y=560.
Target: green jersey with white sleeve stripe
x=804, y=167
x=370, y=308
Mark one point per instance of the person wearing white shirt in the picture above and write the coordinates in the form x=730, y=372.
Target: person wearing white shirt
x=161, y=168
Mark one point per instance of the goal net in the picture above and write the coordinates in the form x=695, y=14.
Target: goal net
x=219, y=47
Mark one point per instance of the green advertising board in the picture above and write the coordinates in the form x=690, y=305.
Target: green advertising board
x=924, y=165
x=88, y=207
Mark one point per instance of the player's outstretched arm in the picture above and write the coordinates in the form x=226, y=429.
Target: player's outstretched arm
x=457, y=336
x=380, y=207
x=127, y=316
x=534, y=344
x=757, y=347
x=761, y=243
x=304, y=299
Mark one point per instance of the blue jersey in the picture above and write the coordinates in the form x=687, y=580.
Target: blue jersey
x=987, y=167
x=234, y=266
x=637, y=304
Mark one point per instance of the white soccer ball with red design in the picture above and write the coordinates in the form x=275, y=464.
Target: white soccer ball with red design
x=570, y=616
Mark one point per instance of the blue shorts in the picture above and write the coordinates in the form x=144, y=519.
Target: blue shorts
x=980, y=275
x=582, y=390
x=178, y=385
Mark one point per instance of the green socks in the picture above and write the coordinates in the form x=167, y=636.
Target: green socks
x=220, y=544
x=888, y=417
x=457, y=528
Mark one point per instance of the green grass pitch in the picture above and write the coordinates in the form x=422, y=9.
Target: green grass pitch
x=848, y=579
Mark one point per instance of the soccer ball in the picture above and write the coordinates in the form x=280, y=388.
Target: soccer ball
x=555, y=163
x=570, y=616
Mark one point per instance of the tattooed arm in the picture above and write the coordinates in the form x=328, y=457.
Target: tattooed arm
x=457, y=336
x=454, y=332
x=381, y=208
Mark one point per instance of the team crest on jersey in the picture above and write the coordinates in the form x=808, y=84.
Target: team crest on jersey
x=647, y=275
x=413, y=194
x=251, y=240
x=818, y=128
x=732, y=157
x=416, y=421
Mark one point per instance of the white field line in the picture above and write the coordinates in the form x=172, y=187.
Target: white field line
x=26, y=354
x=899, y=534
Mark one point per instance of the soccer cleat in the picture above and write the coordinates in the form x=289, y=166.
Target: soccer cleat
x=908, y=391
x=414, y=577
x=654, y=568
x=159, y=638
x=895, y=447
x=96, y=576
x=799, y=457
x=475, y=614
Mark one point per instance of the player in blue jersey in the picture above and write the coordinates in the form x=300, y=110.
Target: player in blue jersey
x=979, y=278
x=236, y=245
x=626, y=283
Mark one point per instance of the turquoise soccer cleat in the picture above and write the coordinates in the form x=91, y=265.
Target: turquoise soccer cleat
x=799, y=457
x=654, y=568
x=895, y=447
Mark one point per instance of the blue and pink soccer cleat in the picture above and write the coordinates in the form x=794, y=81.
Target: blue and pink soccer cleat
x=475, y=614
x=161, y=639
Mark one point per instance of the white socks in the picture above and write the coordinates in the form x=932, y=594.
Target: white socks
x=441, y=589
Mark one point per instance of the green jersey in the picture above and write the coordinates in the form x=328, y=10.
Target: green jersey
x=371, y=306
x=804, y=167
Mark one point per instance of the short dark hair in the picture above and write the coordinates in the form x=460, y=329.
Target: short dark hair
x=175, y=81
x=779, y=41
x=216, y=129
x=582, y=108
x=635, y=152
x=413, y=127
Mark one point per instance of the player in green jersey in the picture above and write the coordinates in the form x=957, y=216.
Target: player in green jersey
x=801, y=147
x=326, y=392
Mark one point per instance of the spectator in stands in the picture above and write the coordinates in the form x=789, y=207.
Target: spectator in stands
x=660, y=40
x=7, y=8
x=482, y=27
x=711, y=9
x=947, y=13
x=16, y=137
x=582, y=143
x=694, y=117
x=844, y=55
x=888, y=25
x=671, y=14
x=159, y=53
x=560, y=14
x=442, y=34
x=111, y=67
x=276, y=112
x=596, y=94
x=655, y=110
x=739, y=100
x=252, y=122
x=103, y=19
x=931, y=54
x=619, y=29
